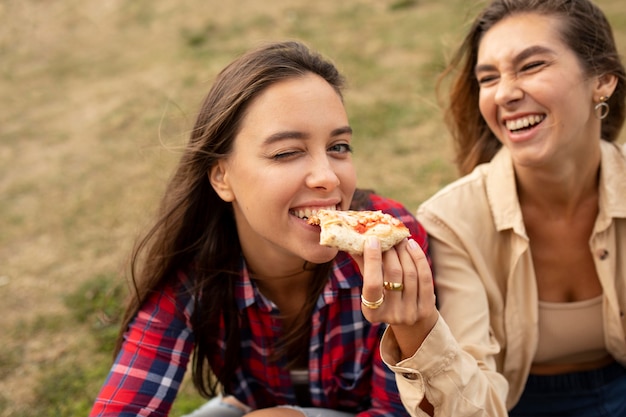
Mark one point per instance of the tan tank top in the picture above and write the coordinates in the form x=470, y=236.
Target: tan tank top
x=570, y=332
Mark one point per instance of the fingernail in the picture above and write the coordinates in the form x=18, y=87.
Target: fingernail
x=413, y=244
x=373, y=242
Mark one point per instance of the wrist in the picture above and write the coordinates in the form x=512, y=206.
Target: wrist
x=410, y=337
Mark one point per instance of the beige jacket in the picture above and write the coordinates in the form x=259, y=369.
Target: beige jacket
x=477, y=357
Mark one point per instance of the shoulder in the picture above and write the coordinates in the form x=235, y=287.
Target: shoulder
x=463, y=190
x=612, y=174
x=613, y=152
x=369, y=200
x=488, y=182
x=464, y=203
x=174, y=299
x=484, y=200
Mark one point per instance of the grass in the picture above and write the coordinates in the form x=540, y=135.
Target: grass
x=98, y=97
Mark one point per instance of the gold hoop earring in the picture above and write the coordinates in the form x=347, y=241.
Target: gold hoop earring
x=602, y=108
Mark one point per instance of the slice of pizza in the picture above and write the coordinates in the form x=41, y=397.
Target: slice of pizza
x=348, y=230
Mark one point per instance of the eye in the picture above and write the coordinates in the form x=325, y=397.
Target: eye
x=285, y=154
x=535, y=65
x=486, y=79
x=341, y=148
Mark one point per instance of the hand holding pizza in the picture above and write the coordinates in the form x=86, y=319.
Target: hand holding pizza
x=397, y=279
x=398, y=290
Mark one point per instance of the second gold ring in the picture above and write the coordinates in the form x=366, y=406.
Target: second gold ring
x=393, y=286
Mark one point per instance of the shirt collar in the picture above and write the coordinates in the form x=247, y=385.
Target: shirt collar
x=344, y=275
x=246, y=292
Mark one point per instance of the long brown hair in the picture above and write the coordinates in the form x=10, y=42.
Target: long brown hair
x=195, y=226
x=587, y=33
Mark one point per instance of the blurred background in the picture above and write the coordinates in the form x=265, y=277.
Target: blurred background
x=97, y=101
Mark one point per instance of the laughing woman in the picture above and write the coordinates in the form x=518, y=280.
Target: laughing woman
x=529, y=247
x=232, y=272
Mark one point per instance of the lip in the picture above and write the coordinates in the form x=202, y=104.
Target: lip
x=304, y=211
x=522, y=127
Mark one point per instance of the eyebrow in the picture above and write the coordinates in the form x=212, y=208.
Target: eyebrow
x=525, y=54
x=295, y=134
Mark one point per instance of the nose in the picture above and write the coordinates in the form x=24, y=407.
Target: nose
x=322, y=174
x=508, y=90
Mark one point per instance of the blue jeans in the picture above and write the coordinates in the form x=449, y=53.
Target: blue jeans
x=218, y=408
x=596, y=393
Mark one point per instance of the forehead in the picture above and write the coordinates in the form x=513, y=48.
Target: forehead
x=517, y=32
x=304, y=104
x=303, y=88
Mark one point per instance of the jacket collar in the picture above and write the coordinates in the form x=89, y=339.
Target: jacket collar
x=502, y=193
x=504, y=202
x=613, y=180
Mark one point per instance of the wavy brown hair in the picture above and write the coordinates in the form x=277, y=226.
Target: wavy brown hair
x=585, y=30
x=194, y=226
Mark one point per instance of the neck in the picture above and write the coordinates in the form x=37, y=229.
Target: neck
x=561, y=189
x=284, y=281
x=288, y=291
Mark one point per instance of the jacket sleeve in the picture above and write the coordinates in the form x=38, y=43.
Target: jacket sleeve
x=150, y=366
x=447, y=376
x=454, y=369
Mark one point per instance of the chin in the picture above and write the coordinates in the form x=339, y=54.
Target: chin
x=322, y=256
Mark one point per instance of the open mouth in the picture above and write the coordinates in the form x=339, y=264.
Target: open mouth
x=524, y=123
x=306, y=213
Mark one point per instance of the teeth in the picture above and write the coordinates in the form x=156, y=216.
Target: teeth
x=308, y=212
x=523, y=122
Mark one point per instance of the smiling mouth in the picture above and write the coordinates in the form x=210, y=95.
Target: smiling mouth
x=524, y=123
x=306, y=213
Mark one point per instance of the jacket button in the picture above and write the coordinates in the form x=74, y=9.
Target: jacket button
x=603, y=254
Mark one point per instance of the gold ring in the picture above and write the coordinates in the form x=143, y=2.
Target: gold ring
x=373, y=304
x=393, y=286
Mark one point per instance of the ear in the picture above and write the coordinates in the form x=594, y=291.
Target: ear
x=605, y=86
x=218, y=177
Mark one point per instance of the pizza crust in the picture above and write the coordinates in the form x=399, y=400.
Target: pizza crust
x=348, y=230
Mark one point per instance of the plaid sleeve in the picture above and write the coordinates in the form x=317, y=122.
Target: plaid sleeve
x=147, y=372
x=385, y=398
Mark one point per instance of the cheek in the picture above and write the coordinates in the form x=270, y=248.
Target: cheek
x=488, y=109
x=483, y=104
x=260, y=187
x=347, y=177
x=250, y=183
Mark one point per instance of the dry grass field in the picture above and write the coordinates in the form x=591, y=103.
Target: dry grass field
x=97, y=99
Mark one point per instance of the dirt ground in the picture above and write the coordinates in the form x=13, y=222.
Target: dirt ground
x=97, y=97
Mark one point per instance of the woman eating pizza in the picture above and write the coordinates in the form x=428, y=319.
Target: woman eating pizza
x=232, y=273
